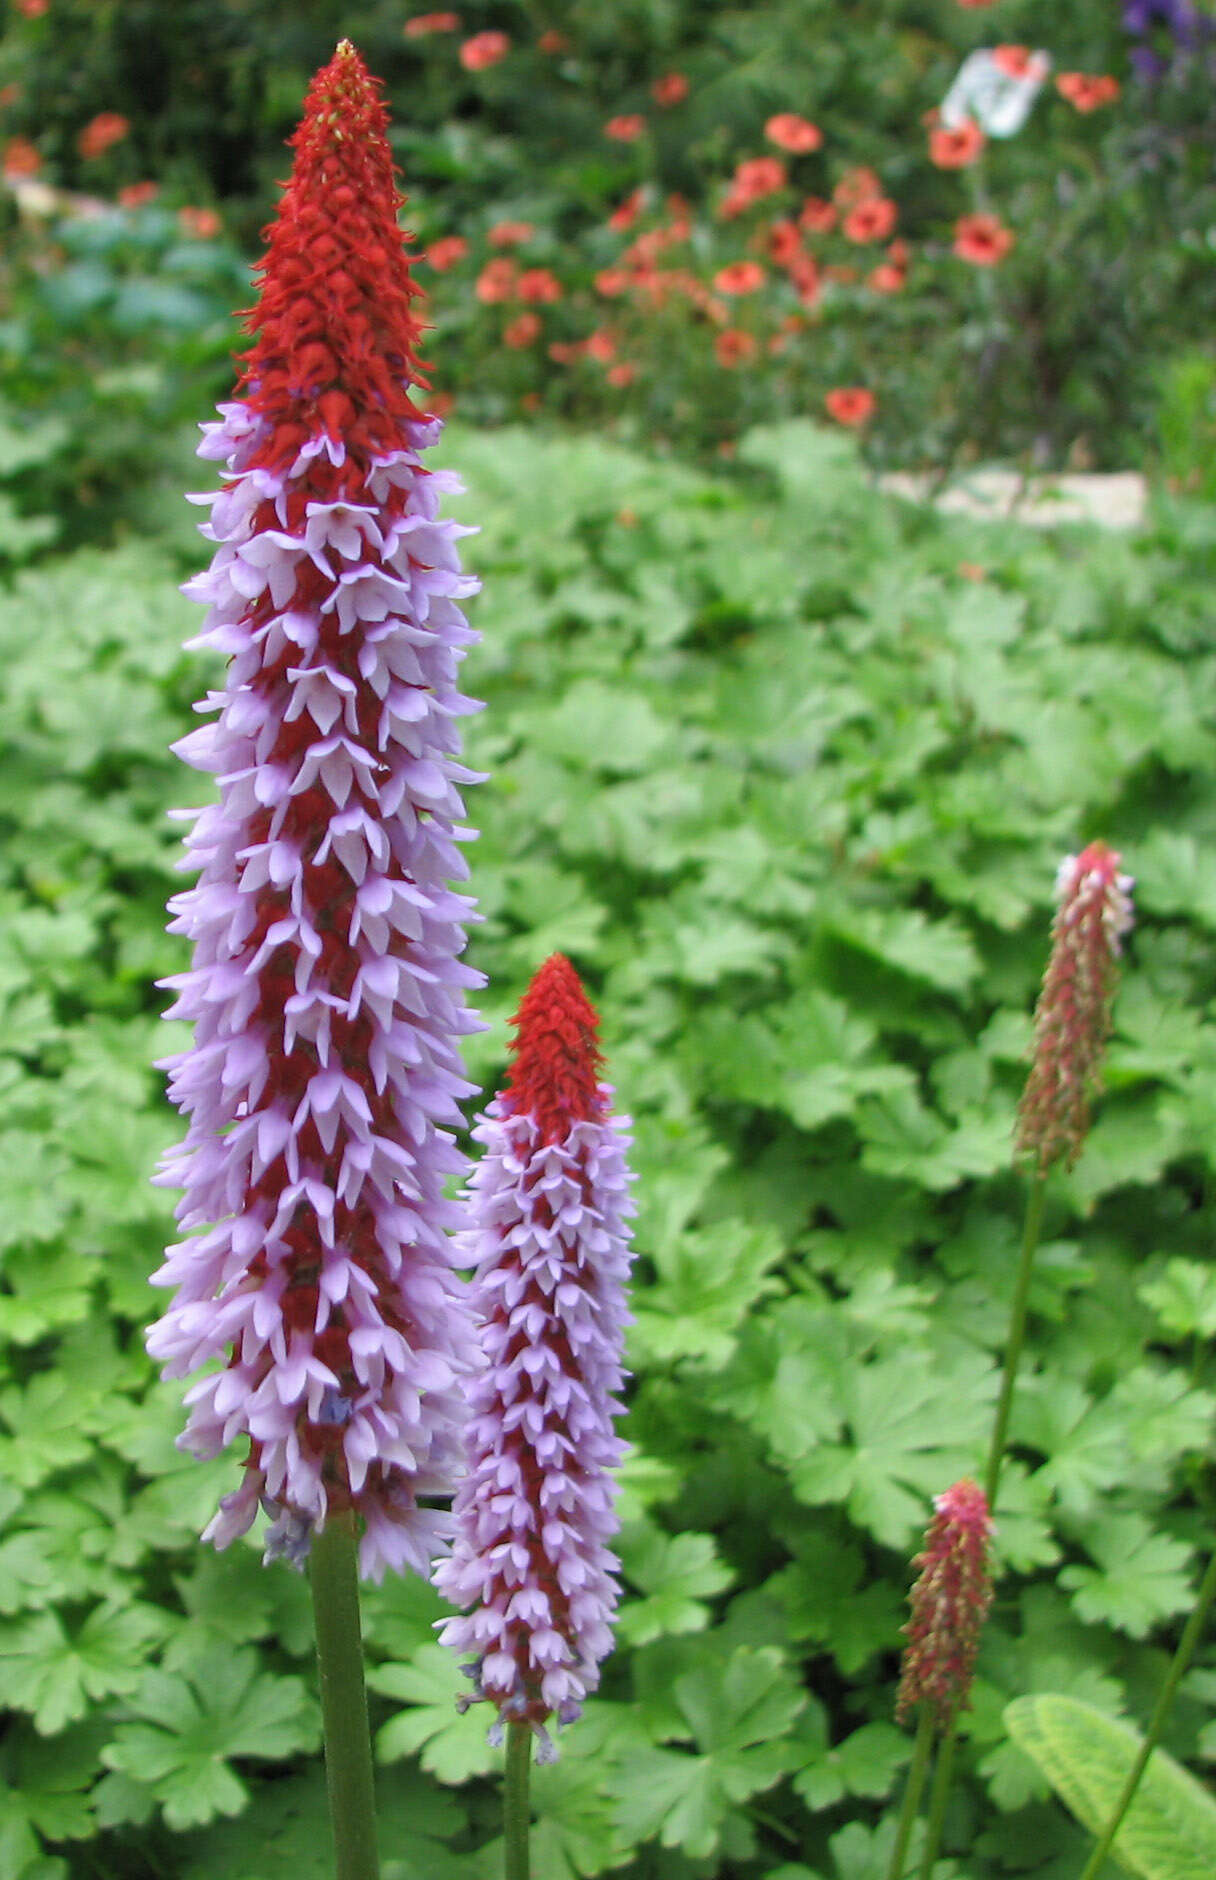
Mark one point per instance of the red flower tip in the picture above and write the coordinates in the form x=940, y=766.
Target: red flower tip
x=336, y=334
x=949, y=1604
x=555, y=1073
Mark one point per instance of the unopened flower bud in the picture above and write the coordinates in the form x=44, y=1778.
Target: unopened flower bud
x=1072, y=1019
x=949, y=1604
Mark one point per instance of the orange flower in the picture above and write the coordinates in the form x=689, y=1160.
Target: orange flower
x=20, y=158
x=484, y=49
x=496, y=282
x=203, y=224
x=850, y=404
x=982, y=240
x=817, y=216
x=886, y=278
x=620, y=375
x=537, y=284
x=793, y=133
x=758, y=176
x=107, y=128
x=135, y=195
x=804, y=278
x=600, y=345
x=507, y=234
x=626, y=213
x=626, y=129
x=783, y=242
x=1014, y=61
x=955, y=149
x=740, y=277
x=423, y=23
x=553, y=42
x=859, y=185
x=611, y=282
x=870, y=221
x=733, y=347
x=971, y=571
x=446, y=252
x=522, y=330
x=671, y=89
x=32, y=9
x=1086, y=93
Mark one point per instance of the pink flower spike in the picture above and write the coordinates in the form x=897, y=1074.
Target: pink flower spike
x=315, y=1284
x=535, y=1512
x=1072, y=1019
x=949, y=1604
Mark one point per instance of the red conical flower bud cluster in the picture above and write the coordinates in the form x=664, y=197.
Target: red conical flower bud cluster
x=949, y=1604
x=1072, y=1019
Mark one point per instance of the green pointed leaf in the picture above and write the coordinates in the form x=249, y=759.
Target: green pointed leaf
x=1169, y=1832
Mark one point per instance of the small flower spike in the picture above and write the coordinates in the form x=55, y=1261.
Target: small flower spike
x=315, y=1288
x=549, y=1200
x=1072, y=1020
x=949, y=1604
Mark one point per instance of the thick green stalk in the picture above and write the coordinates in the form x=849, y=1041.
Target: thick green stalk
x=1015, y=1338
x=1182, y=1658
x=333, y=1576
x=517, y=1814
x=922, y=1750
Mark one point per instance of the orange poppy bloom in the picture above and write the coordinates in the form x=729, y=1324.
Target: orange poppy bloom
x=793, y=133
x=850, y=404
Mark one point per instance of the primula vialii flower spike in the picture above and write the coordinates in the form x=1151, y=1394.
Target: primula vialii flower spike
x=949, y=1604
x=326, y=987
x=549, y=1200
x=1072, y=1020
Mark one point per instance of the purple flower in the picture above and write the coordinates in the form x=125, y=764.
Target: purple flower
x=535, y=1513
x=315, y=1287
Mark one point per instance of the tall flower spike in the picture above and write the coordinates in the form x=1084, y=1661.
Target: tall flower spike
x=949, y=1604
x=326, y=988
x=1072, y=1020
x=535, y=1512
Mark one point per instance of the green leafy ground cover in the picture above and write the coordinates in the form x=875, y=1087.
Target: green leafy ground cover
x=790, y=789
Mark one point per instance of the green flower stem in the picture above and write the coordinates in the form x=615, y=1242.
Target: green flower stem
x=516, y=1812
x=333, y=1576
x=1015, y=1338
x=938, y=1797
x=922, y=1750
x=1182, y=1658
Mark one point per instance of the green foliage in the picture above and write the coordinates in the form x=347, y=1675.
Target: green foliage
x=1169, y=1831
x=1053, y=354
x=791, y=792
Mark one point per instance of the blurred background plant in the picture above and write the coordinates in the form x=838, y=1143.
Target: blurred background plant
x=648, y=218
